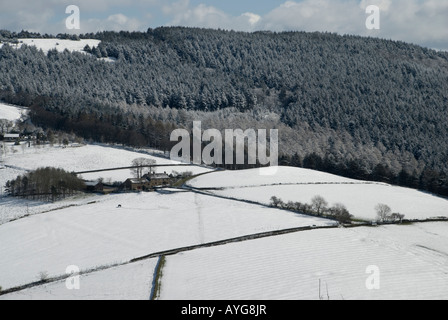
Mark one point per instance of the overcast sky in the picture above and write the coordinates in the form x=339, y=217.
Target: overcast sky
x=423, y=22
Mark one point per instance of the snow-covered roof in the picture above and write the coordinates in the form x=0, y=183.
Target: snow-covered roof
x=91, y=183
x=159, y=176
x=136, y=181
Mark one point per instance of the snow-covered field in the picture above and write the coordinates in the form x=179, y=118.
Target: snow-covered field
x=360, y=200
x=301, y=185
x=411, y=262
x=84, y=158
x=90, y=231
x=101, y=234
x=17, y=160
x=127, y=282
x=11, y=113
x=13, y=208
x=60, y=45
x=252, y=177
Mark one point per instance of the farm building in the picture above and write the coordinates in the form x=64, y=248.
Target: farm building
x=158, y=179
x=147, y=182
x=98, y=186
x=135, y=185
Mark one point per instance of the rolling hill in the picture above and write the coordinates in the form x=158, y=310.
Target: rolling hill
x=301, y=185
x=355, y=102
x=122, y=243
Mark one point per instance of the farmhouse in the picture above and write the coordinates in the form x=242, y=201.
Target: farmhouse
x=147, y=182
x=135, y=185
x=157, y=179
x=95, y=186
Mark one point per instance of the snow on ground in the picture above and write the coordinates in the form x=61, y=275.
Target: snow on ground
x=60, y=45
x=91, y=231
x=127, y=282
x=16, y=208
x=412, y=262
x=253, y=177
x=85, y=158
x=11, y=113
x=109, y=59
x=360, y=200
x=100, y=234
x=301, y=185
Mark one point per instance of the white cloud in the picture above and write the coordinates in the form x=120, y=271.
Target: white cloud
x=419, y=21
x=316, y=15
x=183, y=14
x=39, y=15
x=252, y=18
x=176, y=7
x=116, y=22
x=201, y=16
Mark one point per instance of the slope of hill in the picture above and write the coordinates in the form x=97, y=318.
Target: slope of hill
x=358, y=99
x=99, y=233
x=57, y=44
x=410, y=264
x=93, y=232
x=11, y=113
x=18, y=160
x=368, y=107
x=80, y=158
x=126, y=282
x=301, y=185
x=254, y=178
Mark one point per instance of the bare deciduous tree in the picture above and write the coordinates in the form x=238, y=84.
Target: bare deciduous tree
x=276, y=202
x=397, y=217
x=319, y=205
x=141, y=166
x=383, y=212
x=341, y=213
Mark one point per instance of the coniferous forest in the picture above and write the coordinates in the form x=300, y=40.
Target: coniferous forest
x=361, y=107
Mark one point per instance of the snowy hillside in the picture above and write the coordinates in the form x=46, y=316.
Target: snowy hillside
x=104, y=234
x=99, y=233
x=412, y=264
x=301, y=185
x=17, y=160
x=127, y=282
x=60, y=45
x=252, y=177
x=79, y=158
x=11, y=113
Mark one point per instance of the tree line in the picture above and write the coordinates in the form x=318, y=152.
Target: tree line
x=318, y=207
x=364, y=106
x=47, y=184
x=429, y=180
